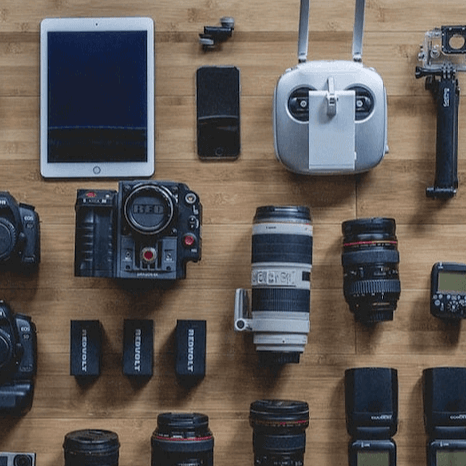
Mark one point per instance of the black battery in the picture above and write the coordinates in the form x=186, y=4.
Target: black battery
x=138, y=347
x=190, y=350
x=85, y=348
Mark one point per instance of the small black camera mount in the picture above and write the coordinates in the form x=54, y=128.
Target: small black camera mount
x=443, y=54
x=215, y=34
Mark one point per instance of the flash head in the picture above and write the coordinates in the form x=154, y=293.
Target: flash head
x=371, y=395
x=444, y=393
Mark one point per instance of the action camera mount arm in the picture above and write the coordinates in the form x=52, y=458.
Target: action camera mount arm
x=444, y=87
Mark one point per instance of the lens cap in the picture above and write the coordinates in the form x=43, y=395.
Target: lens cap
x=84, y=447
x=289, y=213
x=368, y=226
x=285, y=412
x=149, y=209
x=182, y=422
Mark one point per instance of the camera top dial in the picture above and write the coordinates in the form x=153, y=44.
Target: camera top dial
x=149, y=209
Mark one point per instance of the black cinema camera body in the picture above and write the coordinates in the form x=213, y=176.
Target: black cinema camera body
x=19, y=234
x=18, y=361
x=146, y=230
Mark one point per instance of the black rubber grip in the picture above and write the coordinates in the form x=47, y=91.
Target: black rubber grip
x=363, y=287
x=282, y=248
x=374, y=256
x=281, y=300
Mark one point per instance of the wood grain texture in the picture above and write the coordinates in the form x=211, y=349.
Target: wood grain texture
x=263, y=46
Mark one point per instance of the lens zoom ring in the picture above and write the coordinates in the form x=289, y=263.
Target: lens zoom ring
x=279, y=443
x=390, y=256
x=282, y=248
x=280, y=300
x=365, y=287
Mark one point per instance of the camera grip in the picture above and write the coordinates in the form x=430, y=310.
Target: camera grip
x=94, y=236
x=447, y=94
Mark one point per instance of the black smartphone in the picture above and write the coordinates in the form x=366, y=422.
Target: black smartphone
x=218, y=112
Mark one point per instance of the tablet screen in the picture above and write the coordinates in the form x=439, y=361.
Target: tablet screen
x=97, y=96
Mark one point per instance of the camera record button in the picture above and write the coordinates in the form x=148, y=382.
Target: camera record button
x=148, y=255
x=189, y=240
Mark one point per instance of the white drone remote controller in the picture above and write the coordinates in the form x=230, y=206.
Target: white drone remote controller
x=330, y=117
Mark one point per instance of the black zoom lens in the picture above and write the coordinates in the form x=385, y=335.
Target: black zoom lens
x=279, y=432
x=91, y=447
x=182, y=439
x=370, y=258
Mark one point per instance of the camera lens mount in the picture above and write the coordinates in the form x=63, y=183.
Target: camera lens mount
x=149, y=209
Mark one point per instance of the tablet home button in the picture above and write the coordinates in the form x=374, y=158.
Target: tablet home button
x=96, y=170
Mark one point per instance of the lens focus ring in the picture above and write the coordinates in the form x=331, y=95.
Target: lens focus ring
x=368, y=287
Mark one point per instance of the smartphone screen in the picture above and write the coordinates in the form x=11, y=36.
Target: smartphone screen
x=218, y=112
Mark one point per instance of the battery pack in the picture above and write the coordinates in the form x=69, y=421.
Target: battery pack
x=138, y=347
x=85, y=348
x=190, y=350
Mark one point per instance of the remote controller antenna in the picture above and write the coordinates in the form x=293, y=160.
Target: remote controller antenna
x=358, y=30
x=303, y=38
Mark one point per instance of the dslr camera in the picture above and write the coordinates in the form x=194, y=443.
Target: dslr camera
x=18, y=355
x=330, y=117
x=147, y=230
x=17, y=459
x=19, y=234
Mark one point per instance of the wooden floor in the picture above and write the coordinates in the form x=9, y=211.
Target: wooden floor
x=263, y=46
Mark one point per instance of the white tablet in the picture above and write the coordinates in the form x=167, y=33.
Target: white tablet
x=97, y=97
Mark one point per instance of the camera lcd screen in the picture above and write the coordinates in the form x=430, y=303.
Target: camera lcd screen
x=97, y=97
x=373, y=458
x=452, y=282
x=451, y=458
